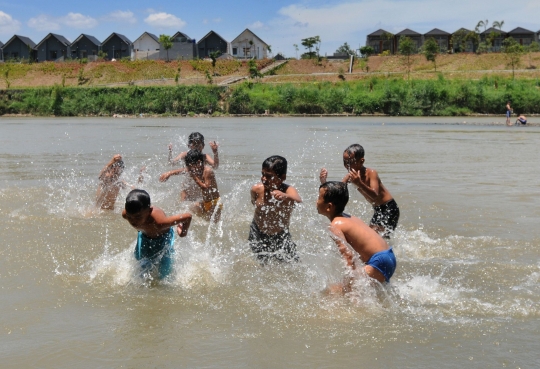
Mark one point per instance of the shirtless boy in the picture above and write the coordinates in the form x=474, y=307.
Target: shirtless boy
x=368, y=183
x=156, y=233
x=274, y=202
x=203, y=175
x=348, y=230
x=190, y=191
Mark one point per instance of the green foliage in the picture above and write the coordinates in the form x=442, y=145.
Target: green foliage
x=345, y=49
x=513, y=51
x=166, y=43
x=310, y=42
x=367, y=51
x=431, y=50
x=253, y=70
x=406, y=48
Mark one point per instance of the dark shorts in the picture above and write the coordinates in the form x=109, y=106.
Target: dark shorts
x=156, y=252
x=387, y=216
x=522, y=121
x=275, y=247
x=508, y=113
x=384, y=262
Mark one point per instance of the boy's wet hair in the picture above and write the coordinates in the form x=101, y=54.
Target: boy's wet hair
x=277, y=164
x=337, y=193
x=195, y=138
x=193, y=156
x=136, y=201
x=356, y=151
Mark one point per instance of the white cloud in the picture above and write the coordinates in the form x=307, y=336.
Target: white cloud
x=164, y=20
x=256, y=25
x=119, y=16
x=8, y=25
x=44, y=23
x=77, y=20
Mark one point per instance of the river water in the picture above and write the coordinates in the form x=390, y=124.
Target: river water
x=466, y=292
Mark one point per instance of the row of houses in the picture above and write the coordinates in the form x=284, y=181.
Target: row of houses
x=56, y=47
x=382, y=40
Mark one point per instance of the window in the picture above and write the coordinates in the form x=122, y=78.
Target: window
x=235, y=51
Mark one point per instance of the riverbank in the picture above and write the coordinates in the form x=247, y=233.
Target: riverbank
x=376, y=96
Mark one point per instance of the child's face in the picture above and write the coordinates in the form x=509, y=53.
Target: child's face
x=350, y=162
x=322, y=207
x=138, y=219
x=196, y=145
x=270, y=179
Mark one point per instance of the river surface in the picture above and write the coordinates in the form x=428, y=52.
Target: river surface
x=466, y=292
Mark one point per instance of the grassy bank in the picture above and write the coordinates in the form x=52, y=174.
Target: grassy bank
x=391, y=96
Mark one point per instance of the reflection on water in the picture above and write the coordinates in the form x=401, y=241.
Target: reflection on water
x=466, y=247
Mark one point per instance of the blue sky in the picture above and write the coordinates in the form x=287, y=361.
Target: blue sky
x=280, y=23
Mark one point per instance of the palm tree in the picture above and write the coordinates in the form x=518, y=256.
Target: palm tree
x=497, y=24
x=296, y=48
x=484, y=24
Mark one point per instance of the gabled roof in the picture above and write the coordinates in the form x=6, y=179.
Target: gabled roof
x=154, y=37
x=493, y=29
x=248, y=30
x=521, y=31
x=462, y=29
x=208, y=34
x=92, y=39
x=408, y=32
x=379, y=32
x=60, y=38
x=180, y=34
x=436, y=32
x=121, y=37
x=25, y=40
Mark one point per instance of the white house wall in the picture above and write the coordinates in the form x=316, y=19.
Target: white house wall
x=258, y=49
x=146, y=48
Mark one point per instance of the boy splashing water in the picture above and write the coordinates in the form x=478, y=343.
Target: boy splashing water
x=349, y=230
x=155, y=239
x=274, y=202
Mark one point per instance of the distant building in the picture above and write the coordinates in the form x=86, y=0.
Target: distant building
x=522, y=35
x=248, y=45
x=85, y=46
x=117, y=46
x=413, y=35
x=19, y=47
x=380, y=41
x=210, y=43
x=53, y=48
x=497, y=42
x=442, y=38
x=184, y=48
x=146, y=47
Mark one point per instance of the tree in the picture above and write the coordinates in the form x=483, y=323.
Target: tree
x=345, y=49
x=406, y=48
x=484, y=24
x=459, y=41
x=296, y=48
x=387, y=38
x=513, y=52
x=498, y=24
x=431, y=50
x=366, y=51
x=253, y=70
x=309, y=42
x=533, y=47
x=166, y=43
x=214, y=55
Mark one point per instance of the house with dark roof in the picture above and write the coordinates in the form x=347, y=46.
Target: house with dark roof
x=212, y=42
x=184, y=47
x=497, y=41
x=442, y=38
x=146, y=46
x=522, y=35
x=117, y=46
x=380, y=41
x=53, y=47
x=248, y=45
x=19, y=47
x=413, y=35
x=459, y=44
x=85, y=46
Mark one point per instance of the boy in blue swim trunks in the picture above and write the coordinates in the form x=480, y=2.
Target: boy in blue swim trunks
x=348, y=230
x=156, y=233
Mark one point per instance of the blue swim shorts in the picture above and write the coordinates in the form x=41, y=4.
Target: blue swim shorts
x=384, y=262
x=156, y=252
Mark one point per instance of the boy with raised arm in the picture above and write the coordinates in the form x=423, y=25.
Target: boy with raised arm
x=155, y=241
x=190, y=191
x=203, y=175
x=274, y=202
x=368, y=183
x=351, y=231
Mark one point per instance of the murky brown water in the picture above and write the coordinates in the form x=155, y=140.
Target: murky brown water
x=465, y=294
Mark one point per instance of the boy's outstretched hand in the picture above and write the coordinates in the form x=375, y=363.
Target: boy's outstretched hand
x=213, y=145
x=182, y=230
x=323, y=176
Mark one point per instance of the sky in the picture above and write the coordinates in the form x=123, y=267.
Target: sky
x=280, y=23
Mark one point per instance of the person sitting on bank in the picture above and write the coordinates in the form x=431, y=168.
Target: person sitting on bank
x=521, y=119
